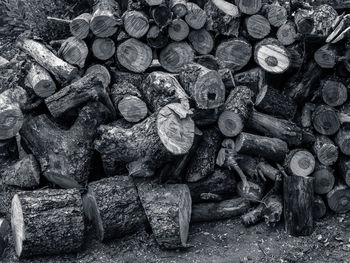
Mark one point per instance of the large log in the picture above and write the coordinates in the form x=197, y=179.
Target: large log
x=325, y=150
x=299, y=162
x=136, y=23
x=298, y=193
x=47, y=222
x=105, y=18
x=103, y=48
x=178, y=30
x=325, y=120
x=168, y=209
x=326, y=56
x=203, y=85
x=195, y=16
x=207, y=212
x=40, y=81
x=80, y=26
x=113, y=205
x=64, y=155
x=101, y=72
x=342, y=139
x=175, y=55
x=344, y=169
x=167, y=132
x=63, y=72
x=334, y=92
x=323, y=179
x=257, y=26
x=161, y=15
x=201, y=41
x=338, y=198
x=74, y=51
x=237, y=109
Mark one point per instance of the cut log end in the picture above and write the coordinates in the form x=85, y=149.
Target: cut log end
x=178, y=30
x=174, y=56
x=80, y=26
x=325, y=58
x=301, y=163
x=103, y=26
x=249, y=7
x=17, y=223
x=258, y=26
x=334, y=93
x=287, y=34
x=74, y=51
x=325, y=120
x=132, y=109
x=196, y=16
x=135, y=23
x=338, y=199
x=324, y=180
x=202, y=41
x=11, y=121
x=230, y=123
x=103, y=48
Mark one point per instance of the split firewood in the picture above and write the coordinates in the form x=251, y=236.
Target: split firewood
x=178, y=30
x=253, y=78
x=86, y=89
x=47, y=222
x=270, y=148
x=249, y=7
x=80, y=26
x=103, y=48
x=63, y=72
x=175, y=55
x=207, y=212
x=306, y=115
x=299, y=162
x=4, y=233
x=319, y=208
x=167, y=132
x=334, y=92
x=157, y=38
x=257, y=26
x=101, y=72
x=237, y=109
x=287, y=33
x=272, y=56
x=24, y=173
x=323, y=179
x=298, y=193
x=113, y=205
x=8, y=150
x=136, y=23
x=178, y=7
x=168, y=209
x=272, y=101
x=195, y=16
x=105, y=18
x=325, y=120
x=161, y=15
x=223, y=18
x=64, y=155
x=344, y=169
x=201, y=41
x=234, y=54
x=325, y=150
x=40, y=81
x=338, y=199
x=342, y=139
x=160, y=88
x=74, y=51
x=203, y=85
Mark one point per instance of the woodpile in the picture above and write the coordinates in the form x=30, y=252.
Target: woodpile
x=195, y=111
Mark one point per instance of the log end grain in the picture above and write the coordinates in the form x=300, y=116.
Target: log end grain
x=258, y=27
x=324, y=180
x=175, y=55
x=132, y=109
x=325, y=120
x=300, y=163
x=338, y=198
x=103, y=48
x=249, y=7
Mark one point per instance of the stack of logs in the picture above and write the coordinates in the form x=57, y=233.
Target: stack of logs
x=170, y=112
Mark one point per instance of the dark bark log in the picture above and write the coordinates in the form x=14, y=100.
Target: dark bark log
x=136, y=23
x=103, y=48
x=64, y=155
x=253, y=216
x=201, y=41
x=47, y=222
x=4, y=233
x=40, y=81
x=113, y=205
x=105, y=18
x=306, y=115
x=161, y=15
x=326, y=56
x=257, y=26
x=237, y=109
x=298, y=193
x=249, y=7
x=273, y=209
x=203, y=85
x=252, y=78
x=319, y=208
x=119, y=77
x=207, y=212
x=304, y=21
x=323, y=179
x=270, y=148
x=80, y=26
x=74, y=51
x=196, y=16
x=205, y=118
x=325, y=120
x=178, y=30
x=8, y=150
x=157, y=38
x=344, y=169
x=175, y=55
x=325, y=150
x=267, y=170
x=338, y=198
x=168, y=209
x=287, y=33
x=299, y=162
x=178, y=7
x=101, y=72
x=342, y=139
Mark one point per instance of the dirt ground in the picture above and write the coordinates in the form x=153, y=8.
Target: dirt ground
x=220, y=242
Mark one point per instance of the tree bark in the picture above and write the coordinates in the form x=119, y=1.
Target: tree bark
x=299, y=162
x=80, y=26
x=338, y=198
x=103, y=48
x=40, y=81
x=74, y=51
x=325, y=150
x=4, y=232
x=175, y=55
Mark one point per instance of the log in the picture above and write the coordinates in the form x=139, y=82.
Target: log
x=208, y=212
x=299, y=162
x=254, y=193
x=136, y=23
x=64, y=155
x=202, y=163
x=324, y=17
x=342, y=139
x=325, y=150
x=157, y=38
x=325, y=120
x=113, y=205
x=86, y=89
x=276, y=14
x=334, y=93
x=223, y=18
x=128, y=100
x=338, y=199
x=272, y=56
x=253, y=217
x=178, y=30
x=270, y=148
x=178, y=7
x=119, y=77
x=323, y=179
x=306, y=115
x=47, y=222
x=40, y=81
x=105, y=18
x=326, y=56
x=80, y=26
x=267, y=170
x=234, y=54
x=168, y=209
x=270, y=126
x=237, y=109
x=249, y=7
x=4, y=232
x=175, y=55
x=319, y=208
x=206, y=118
x=74, y=51
x=101, y=72
x=344, y=169
x=257, y=26
x=195, y=16
x=221, y=183
x=304, y=21
x=287, y=33
x=274, y=102
x=298, y=193
x=154, y=2
x=8, y=150
x=161, y=15
x=201, y=41
x=167, y=132
x=24, y=173
x=203, y=85
x=63, y=72
x=273, y=209
x=253, y=78
x=103, y=48
x=160, y=88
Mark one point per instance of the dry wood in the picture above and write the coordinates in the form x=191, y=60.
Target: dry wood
x=196, y=16
x=80, y=26
x=334, y=92
x=319, y=208
x=287, y=33
x=178, y=30
x=156, y=38
x=254, y=193
x=74, y=51
x=4, y=232
x=201, y=41
x=253, y=78
x=40, y=81
x=299, y=162
x=135, y=23
x=326, y=56
x=8, y=150
x=338, y=199
x=323, y=179
x=325, y=150
x=304, y=21
x=325, y=120
x=161, y=15
x=101, y=72
x=276, y=14
x=103, y=48
x=249, y=7
x=178, y=7
x=342, y=139
x=344, y=169
x=257, y=26
x=306, y=115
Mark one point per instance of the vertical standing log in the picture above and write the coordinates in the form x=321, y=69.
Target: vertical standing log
x=175, y=55
x=325, y=120
x=298, y=193
x=40, y=81
x=299, y=162
x=323, y=179
x=103, y=48
x=178, y=30
x=135, y=23
x=196, y=16
x=342, y=139
x=338, y=198
x=201, y=41
x=80, y=26
x=257, y=26
x=325, y=150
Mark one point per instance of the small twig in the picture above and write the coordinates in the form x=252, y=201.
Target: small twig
x=280, y=168
x=58, y=19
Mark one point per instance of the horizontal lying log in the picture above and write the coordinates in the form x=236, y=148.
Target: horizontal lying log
x=161, y=15
x=304, y=21
x=80, y=26
x=195, y=16
x=4, y=233
x=326, y=56
x=207, y=212
x=201, y=41
x=257, y=26
x=323, y=179
x=156, y=38
x=249, y=7
x=101, y=72
x=8, y=150
x=168, y=209
x=325, y=150
x=325, y=120
x=342, y=139
x=319, y=208
x=299, y=162
x=253, y=78
x=178, y=30
x=40, y=81
x=334, y=93
x=103, y=48
x=74, y=51
x=254, y=193
x=338, y=199
x=344, y=169
x=178, y=7
x=136, y=23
